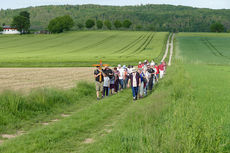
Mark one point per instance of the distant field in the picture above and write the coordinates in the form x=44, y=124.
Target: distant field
x=204, y=48
x=80, y=48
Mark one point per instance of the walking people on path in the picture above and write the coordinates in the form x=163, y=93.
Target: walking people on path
x=99, y=80
x=141, y=80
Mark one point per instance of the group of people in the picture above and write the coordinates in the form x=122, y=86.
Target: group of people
x=141, y=79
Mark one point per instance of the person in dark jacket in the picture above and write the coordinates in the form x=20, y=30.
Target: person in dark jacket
x=135, y=80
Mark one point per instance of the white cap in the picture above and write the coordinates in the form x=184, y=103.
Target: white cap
x=139, y=62
x=119, y=65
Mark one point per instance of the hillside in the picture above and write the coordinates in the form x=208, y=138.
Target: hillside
x=146, y=17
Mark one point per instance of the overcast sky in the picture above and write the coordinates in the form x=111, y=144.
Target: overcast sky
x=215, y=4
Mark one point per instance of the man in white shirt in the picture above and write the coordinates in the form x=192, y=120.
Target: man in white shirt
x=121, y=76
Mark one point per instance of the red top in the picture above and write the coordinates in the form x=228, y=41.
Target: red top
x=161, y=67
x=139, y=66
x=157, y=68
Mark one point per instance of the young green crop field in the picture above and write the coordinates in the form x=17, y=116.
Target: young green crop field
x=188, y=111
x=80, y=48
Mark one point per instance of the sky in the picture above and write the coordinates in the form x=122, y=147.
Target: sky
x=214, y=4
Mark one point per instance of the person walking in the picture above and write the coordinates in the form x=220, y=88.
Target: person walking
x=99, y=80
x=116, y=80
x=126, y=77
x=151, y=77
x=143, y=82
x=106, y=85
x=121, y=77
x=161, y=69
x=135, y=81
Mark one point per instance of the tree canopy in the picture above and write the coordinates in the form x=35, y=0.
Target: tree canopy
x=217, y=27
x=22, y=22
x=158, y=17
x=60, y=24
x=99, y=24
x=89, y=23
x=127, y=24
x=108, y=24
x=117, y=24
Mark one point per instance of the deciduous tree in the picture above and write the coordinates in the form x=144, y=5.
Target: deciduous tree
x=108, y=24
x=99, y=24
x=90, y=23
x=117, y=24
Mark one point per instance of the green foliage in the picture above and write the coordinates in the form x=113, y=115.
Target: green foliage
x=108, y=24
x=217, y=27
x=99, y=24
x=16, y=108
x=60, y=24
x=82, y=48
x=22, y=22
x=117, y=24
x=89, y=23
x=162, y=17
x=1, y=29
x=127, y=24
x=80, y=25
x=139, y=27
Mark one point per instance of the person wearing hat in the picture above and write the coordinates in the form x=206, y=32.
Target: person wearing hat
x=134, y=80
x=99, y=81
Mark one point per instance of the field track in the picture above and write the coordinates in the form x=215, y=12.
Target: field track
x=29, y=78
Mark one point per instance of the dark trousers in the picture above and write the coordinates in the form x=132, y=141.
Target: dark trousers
x=116, y=85
x=135, y=92
x=150, y=84
x=105, y=91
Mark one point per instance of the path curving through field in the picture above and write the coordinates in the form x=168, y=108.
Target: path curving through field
x=167, y=48
x=171, y=50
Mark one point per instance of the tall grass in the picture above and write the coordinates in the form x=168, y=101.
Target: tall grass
x=17, y=108
x=170, y=120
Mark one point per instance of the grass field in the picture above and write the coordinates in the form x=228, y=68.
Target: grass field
x=188, y=111
x=80, y=48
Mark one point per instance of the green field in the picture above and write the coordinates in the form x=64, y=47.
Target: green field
x=188, y=111
x=204, y=48
x=80, y=48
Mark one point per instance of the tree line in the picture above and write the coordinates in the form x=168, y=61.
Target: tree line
x=143, y=17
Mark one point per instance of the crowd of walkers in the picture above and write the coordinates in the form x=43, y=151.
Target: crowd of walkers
x=141, y=78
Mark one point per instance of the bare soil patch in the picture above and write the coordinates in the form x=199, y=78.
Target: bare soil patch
x=25, y=79
x=88, y=140
x=65, y=115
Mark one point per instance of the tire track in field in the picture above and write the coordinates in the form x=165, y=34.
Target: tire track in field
x=143, y=44
x=30, y=42
x=209, y=47
x=148, y=42
x=214, y=50
x=59, y=45
x=95, y=44
x=130, y=45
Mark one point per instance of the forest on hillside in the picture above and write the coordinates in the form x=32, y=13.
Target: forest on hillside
x=143, y=17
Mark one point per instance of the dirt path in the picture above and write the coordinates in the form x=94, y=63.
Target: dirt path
x=171, y=50
x=167, y=48
x=25, y=79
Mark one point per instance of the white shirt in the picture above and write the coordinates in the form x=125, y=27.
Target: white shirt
x=134, y=80
x=121, y=71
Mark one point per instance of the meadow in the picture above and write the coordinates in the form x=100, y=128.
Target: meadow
x=80, y=48
x=188, y=111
